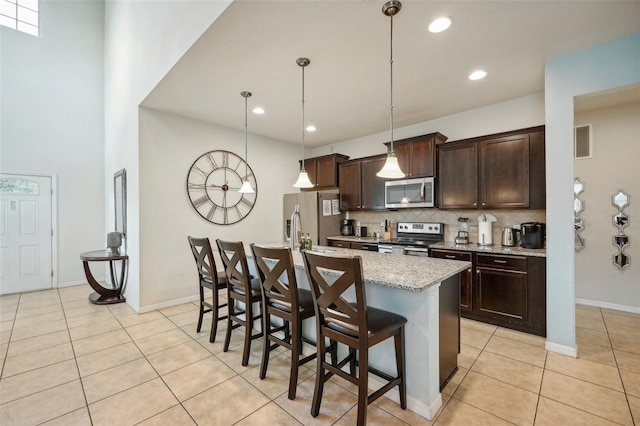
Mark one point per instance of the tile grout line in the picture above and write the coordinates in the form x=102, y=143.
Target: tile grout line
x=75, y=359
x=615, y=359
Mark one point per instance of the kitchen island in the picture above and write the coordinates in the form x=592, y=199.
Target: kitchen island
x=423, y=290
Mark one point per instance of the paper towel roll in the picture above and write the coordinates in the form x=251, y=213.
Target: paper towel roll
x=485, y=236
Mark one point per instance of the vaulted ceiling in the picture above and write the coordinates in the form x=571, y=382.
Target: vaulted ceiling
x=254, y=45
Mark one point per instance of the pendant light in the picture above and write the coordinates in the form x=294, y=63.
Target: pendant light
x=303, y=179
x=391, y=168
x=246, y=186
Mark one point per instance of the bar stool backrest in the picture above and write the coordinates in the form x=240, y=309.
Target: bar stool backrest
x=203, y=255
x=235, y=264
x=277, y=276
x=330, y=278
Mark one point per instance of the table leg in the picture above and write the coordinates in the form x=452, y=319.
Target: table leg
x=102, y=295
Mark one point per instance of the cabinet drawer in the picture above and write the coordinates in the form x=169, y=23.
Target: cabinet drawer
x=364, y=246
x=343, y=244
x=453, y=255
x=518, y=263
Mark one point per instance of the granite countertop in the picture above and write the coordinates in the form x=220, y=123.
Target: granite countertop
x=496, y=248
x=412, y=273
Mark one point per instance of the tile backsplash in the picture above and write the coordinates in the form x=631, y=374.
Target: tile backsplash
x=505, y=218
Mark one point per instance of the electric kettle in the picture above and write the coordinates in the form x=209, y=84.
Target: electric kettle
x=510, y=237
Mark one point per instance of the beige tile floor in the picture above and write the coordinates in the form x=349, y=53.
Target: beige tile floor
x=68, y=362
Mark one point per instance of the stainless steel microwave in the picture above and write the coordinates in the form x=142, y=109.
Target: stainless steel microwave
x=409, y=193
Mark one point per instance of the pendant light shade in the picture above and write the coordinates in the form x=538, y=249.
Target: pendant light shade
x=246, y=186
x=391, y=168
x=303, y=179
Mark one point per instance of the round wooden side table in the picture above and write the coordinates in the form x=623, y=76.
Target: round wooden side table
x=104, y=295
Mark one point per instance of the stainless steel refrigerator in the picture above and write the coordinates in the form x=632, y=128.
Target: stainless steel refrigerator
x=319, y=215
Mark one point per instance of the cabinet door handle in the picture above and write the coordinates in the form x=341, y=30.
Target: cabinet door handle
x=449, y=256
x=499, y=261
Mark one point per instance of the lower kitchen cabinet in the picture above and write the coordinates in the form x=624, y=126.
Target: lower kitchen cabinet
x=466, y=277
x=355, y=245
x=504, y=290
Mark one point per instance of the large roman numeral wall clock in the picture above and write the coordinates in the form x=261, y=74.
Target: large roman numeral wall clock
x=213, y=183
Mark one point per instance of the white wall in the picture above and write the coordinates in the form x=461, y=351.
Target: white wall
x=52, y=120
x=613, y=166
x=143, y=40
x=168, y=146
x=606, y=66
x=518, y=113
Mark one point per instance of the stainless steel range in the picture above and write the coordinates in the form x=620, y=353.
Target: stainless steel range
x=414, y=238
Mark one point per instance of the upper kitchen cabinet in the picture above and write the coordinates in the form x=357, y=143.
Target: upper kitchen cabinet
x=458, y=176
x=360, y=188
x=495, y=171
x=323, y=171
x=504, y=172
x=417, y=155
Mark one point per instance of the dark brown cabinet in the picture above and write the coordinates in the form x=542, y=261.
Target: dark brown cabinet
x=417, y=156
x=501, y=282
x=339, y=243
x=458, y=176
x=355, y=245
x=505, y=290
x=504, y=172
x=496, y=171
x=323, y=171
x=466, y=277
x=360, y=188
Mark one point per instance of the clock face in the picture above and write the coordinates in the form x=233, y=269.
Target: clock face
x=213, y=183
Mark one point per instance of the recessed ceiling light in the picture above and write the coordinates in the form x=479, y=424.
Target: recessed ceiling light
x=477, y=75
x=440, y=24
x=258, y=110
x=311, y=128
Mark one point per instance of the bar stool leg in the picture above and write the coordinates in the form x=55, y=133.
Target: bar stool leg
x=296, y=350
x=266, y=347
x=248, y=330
x=320, y=377
x=363, y=388
x=399, y=343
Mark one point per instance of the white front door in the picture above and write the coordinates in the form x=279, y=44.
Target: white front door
x=25, y=233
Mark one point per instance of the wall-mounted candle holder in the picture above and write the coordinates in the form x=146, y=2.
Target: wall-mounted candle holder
x=621, y=220
x=578, y=207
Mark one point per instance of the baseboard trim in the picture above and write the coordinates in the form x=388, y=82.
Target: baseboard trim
x=561, y=349
x=607, y=305
x=75, y=283
x=156, y=306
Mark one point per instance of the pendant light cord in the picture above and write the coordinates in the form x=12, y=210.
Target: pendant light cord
x=246, y=156
x=391, y=85
x=303, y=170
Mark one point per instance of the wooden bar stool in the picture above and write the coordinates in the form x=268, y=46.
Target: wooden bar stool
x=282, y=298
x=208, y=277
x=241, y=288
x=353, y=324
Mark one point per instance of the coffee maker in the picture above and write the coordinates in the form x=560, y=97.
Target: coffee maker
x=347, y=227
x=463, y=231
x=533, y=234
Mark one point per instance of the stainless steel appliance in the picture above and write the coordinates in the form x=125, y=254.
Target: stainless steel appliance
x=409, y=193
x=510, y=237
x=463, y=231
x=533, y=235
x=347, y=227
x=414, y=238
x=314, y=219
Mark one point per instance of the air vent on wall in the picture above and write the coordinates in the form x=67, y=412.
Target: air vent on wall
x=582, y=145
